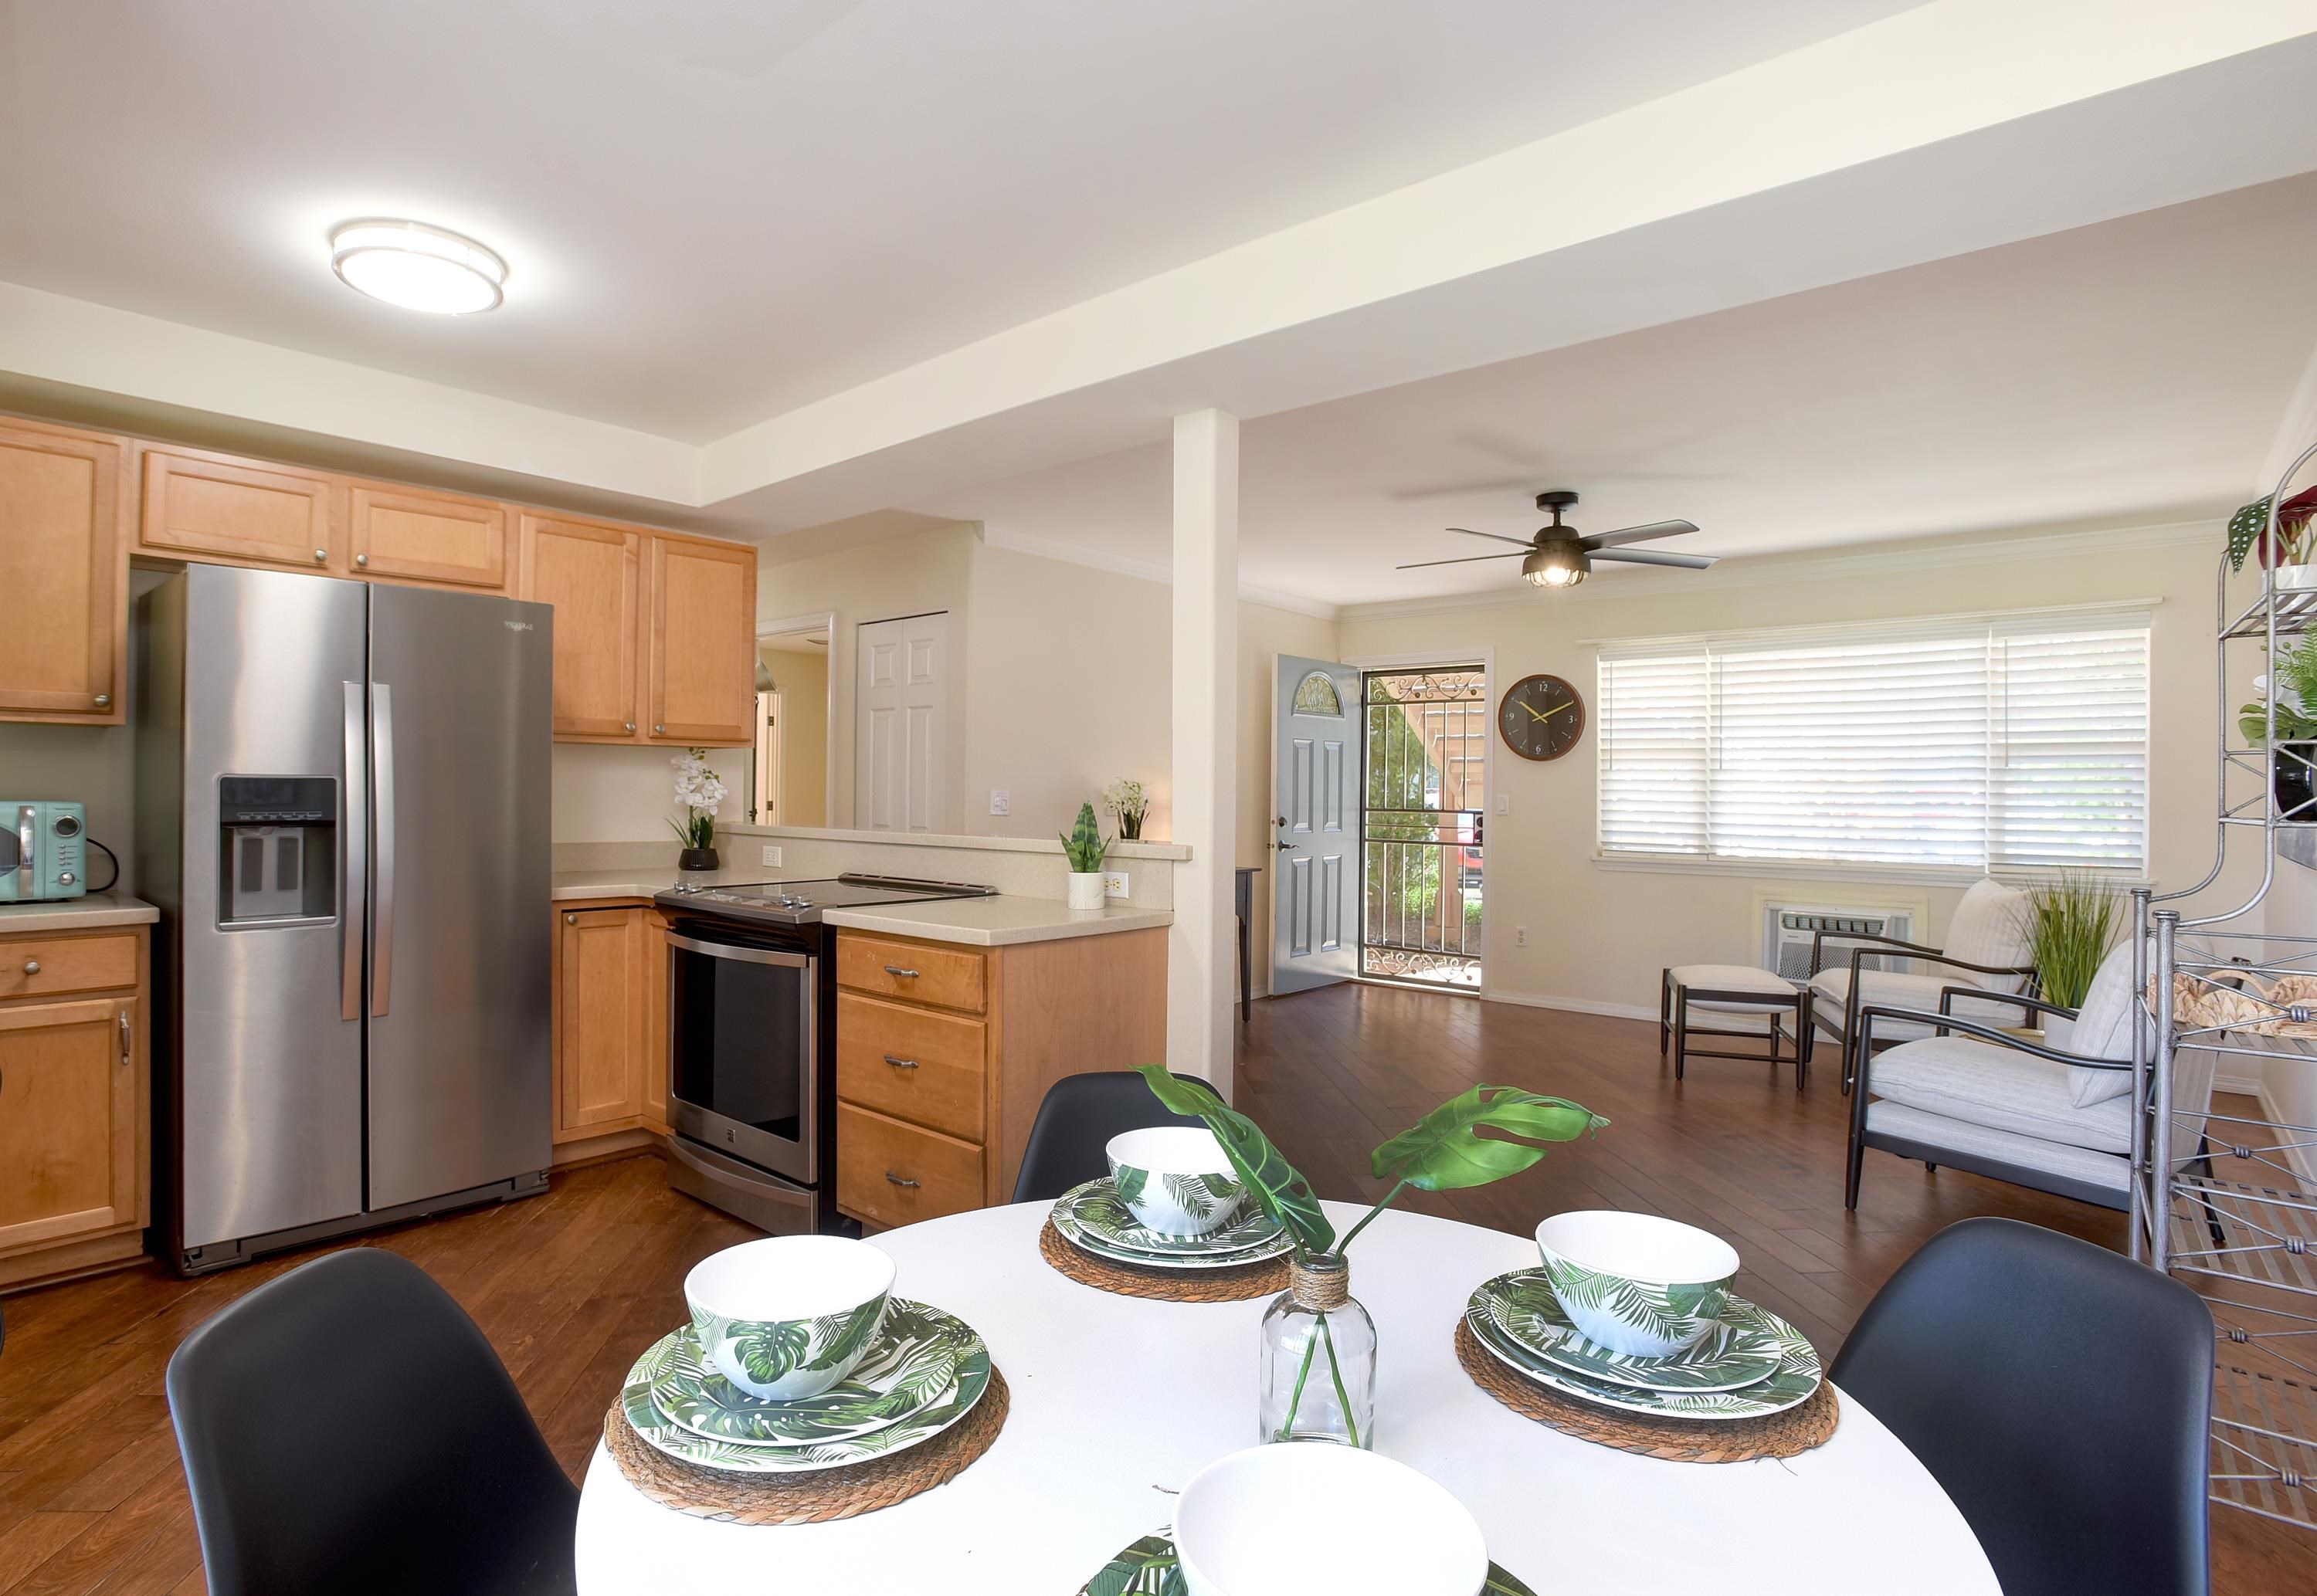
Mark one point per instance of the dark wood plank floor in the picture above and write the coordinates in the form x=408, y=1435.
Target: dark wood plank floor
x=571, y=1285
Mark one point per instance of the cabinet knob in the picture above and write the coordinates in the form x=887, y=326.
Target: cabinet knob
x=104, y=700
x=321, y=556
x=32, y=966
x=897, y=1181
x=631, y=725
x=658, y=730
x=362, y=559
x=571, y=920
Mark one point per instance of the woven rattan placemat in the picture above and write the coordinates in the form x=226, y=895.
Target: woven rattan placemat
x=1267, y=1279
x=806, y=1498
x=1676, y=1441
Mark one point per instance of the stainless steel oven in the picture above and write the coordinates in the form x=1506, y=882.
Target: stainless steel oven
x=744, y=1047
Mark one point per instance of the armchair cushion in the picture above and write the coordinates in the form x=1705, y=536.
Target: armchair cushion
x=1981, y=1084
x=1905, y=990
x=1990, y=926
x=2103, y=1028
x=2110, y=1170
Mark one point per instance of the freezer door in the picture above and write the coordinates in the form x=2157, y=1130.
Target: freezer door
x=461, y=735
x=269, y=670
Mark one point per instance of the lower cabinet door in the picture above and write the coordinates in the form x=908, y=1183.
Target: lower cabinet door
x=603, y=1008
x=892, y=1174
x=68, y=1119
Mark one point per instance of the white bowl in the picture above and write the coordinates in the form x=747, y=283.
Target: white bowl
x=1635, y=1283
x=1176, y=1179
x=789, y=1316
x=1306, y=1516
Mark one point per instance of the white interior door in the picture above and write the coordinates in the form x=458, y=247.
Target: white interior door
x=900, y=693
x=1315, y=789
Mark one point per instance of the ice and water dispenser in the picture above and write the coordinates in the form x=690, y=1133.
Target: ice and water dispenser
x=277, y=848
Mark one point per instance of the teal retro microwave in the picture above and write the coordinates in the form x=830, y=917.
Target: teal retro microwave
x=43, y=851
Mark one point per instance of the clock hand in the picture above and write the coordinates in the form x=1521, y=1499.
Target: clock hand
x=1533, y=712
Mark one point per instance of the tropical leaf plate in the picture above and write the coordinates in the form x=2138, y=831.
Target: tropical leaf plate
x=1092, y=1219
x=1147, y=1568
x=912, y=1366
x=740, y=1457
x=1794, y=1381
x=1523, y=1308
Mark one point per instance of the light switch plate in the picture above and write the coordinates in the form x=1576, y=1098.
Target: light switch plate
x=1113, y=885
x=1001, y=801
x=1520, y=936
x=1504, y=803
x=771, y=855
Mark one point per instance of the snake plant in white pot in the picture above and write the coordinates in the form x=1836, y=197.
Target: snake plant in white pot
x=1299, y=1398
x=1086, y=846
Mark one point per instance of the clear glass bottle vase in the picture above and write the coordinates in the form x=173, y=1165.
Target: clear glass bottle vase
x=1317, y=1380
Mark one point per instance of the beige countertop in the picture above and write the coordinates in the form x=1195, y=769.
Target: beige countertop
x=977, y=922
x=77, y=913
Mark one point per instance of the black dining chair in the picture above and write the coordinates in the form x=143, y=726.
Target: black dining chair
x=2060, y=1394
x=1079, y=1116
x=347, y=1429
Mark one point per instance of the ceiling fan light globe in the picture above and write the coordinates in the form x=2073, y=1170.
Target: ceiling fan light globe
x=1553, y=568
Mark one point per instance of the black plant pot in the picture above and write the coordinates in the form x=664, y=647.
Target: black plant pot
x=697, y=859
x=2292, y=778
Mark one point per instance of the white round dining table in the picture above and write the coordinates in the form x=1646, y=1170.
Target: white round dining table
x=1118, y=1401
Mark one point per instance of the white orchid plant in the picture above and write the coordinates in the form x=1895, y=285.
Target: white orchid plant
x=699, y=793
x=1128, y=803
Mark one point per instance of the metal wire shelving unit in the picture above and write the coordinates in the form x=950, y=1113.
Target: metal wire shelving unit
x=2227, y=1203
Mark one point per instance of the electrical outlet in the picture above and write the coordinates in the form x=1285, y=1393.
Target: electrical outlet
x=771, y=855
x=1504, y=803
x=1520, y=936
x=1113, y=885
x=1001, y=802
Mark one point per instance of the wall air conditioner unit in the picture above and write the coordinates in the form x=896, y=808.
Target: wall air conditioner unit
x=1787, y=930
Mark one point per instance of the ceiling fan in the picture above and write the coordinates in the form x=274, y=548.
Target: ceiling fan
x=1558, y=557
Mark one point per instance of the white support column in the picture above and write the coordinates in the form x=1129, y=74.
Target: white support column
x=1202, y=950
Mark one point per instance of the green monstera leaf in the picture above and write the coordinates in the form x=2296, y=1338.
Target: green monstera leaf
x=1445, y=1151
x=1131, y=1182
x=1275, y=1184
x=769, y=1351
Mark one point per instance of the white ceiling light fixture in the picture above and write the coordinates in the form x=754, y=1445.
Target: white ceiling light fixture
x=417, y=267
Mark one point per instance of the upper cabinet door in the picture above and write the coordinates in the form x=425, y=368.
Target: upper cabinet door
x=64, y=566
x=594, y=577
x=702, y=648
x=198, y=503
x=413, y=535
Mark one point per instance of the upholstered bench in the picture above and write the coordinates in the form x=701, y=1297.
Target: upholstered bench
x=1740, y=1002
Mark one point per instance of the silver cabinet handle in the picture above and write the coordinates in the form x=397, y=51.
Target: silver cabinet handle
x=897, y=1181
x=382, y=744
x=901, y=1063
x=631, y=725
x=354, y=914
x=658, y=730
x=895, y=970
x=321, y=556
x=124, y=1036
x=362, y=559
x=32, y=966
x=104, y=700
x=571, y=920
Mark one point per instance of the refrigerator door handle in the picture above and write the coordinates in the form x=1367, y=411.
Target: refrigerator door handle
x=381, y=742
x=355, y=909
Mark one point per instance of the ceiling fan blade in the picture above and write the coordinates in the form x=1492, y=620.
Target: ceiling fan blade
x=1640, y=534
x=1651, y=556
x=1469, y=532
x=1467, y=560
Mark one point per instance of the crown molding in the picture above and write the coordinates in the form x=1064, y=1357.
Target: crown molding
x=1766, y=570
x=1146, y=570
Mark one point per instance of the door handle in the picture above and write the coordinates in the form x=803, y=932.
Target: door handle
x=897, y=971
x=897, y=1181
x=124, y=1036
x=901, y=1063
x=381, y=742
x=354, y=914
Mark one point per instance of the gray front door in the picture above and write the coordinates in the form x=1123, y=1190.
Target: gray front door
x=1315, y=789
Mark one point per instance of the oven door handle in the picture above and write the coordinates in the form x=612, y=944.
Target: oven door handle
x=740, y=951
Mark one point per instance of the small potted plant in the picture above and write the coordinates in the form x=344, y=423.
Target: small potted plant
x=2287, y=693
x=2071, y=919
x=1128, y=804
x=699, y=794
x=2288, y=555
x=1086, y=846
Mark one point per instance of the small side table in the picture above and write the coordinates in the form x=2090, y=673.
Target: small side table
x=1747, y=1003
x=1243, y=905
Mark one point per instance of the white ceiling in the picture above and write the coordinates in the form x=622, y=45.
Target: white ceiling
x=719, y=210
x=2135, y=368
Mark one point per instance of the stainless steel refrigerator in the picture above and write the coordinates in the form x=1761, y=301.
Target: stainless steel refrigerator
x=342, y=814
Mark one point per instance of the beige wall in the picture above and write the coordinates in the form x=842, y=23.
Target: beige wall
x=1597, y=935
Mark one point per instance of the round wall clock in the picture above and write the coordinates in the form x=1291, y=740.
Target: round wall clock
x=1541, y=718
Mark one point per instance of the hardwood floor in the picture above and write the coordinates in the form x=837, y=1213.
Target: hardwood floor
x=571, y=1285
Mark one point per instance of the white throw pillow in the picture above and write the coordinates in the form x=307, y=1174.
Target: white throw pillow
x=2103, y=1030
x=1990, y=927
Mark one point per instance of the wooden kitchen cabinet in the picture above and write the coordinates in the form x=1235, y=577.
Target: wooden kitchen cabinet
x=700, y=649
x=75, y=1116
x=64, y=500
x=610, y=1029
x=408, y=534
x=223, y=508
x=945, y=1050
x=594, y=574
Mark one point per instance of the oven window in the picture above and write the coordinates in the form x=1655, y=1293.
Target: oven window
x=737, y=1047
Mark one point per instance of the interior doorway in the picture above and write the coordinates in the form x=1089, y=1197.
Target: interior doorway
x=1424, y=734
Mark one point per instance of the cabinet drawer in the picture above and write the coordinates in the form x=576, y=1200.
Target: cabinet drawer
x=34, y=967
x=912, y=1064
x=877, y=1158
x=915, y=972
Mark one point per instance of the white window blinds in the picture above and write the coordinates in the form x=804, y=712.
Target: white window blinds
x=1963, y=744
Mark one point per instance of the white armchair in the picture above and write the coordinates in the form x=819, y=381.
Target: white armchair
x=1986, y=947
